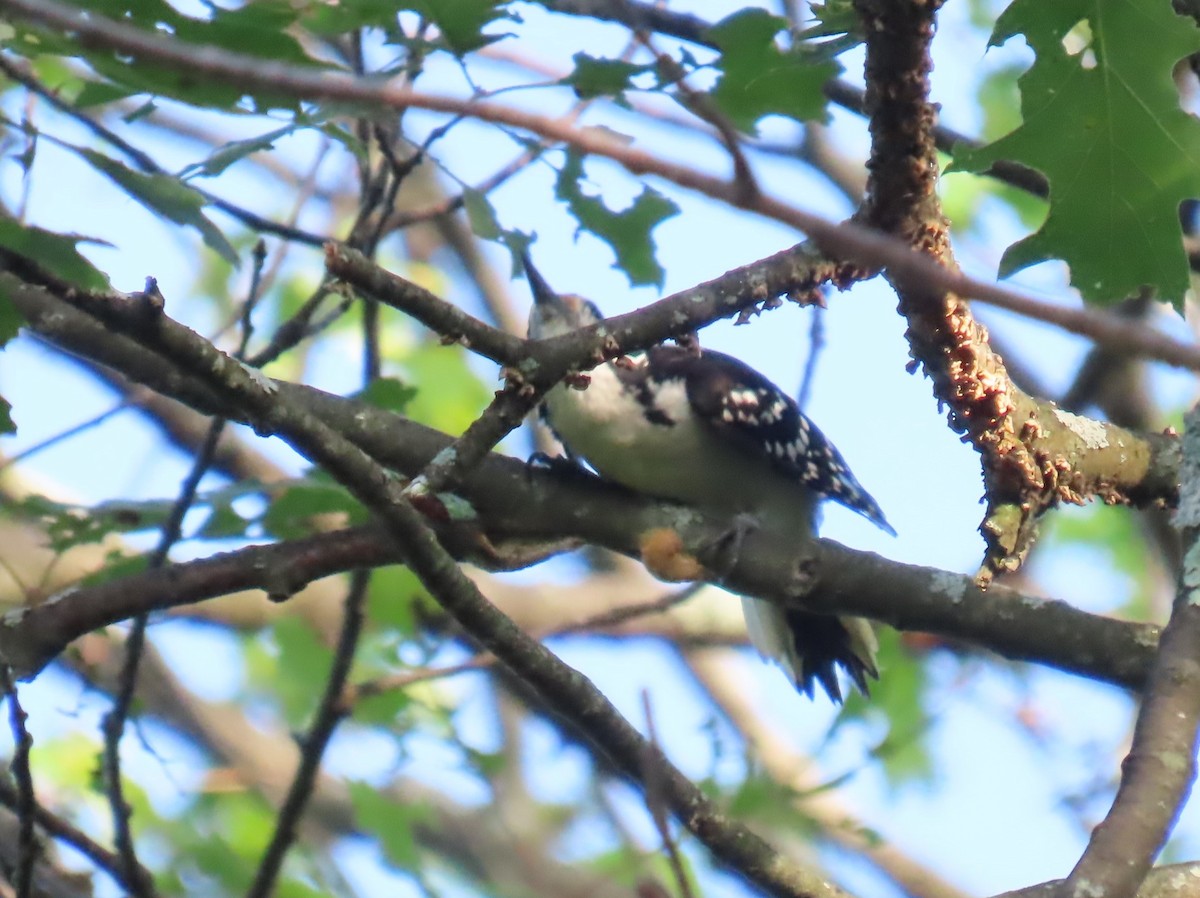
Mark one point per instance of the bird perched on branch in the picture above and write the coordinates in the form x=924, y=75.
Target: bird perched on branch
x=707, y=430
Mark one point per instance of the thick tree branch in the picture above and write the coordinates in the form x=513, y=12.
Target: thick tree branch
x=524, y=512
x=528, y=514
x=1159, y=770
x=1034, y=455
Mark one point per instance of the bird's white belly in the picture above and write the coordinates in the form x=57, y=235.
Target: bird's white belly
x=608, y=427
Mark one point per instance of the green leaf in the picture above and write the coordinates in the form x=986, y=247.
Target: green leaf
x=1102, y=121
x=291, y=512
x=164, y=195
x=834, y=17
x=449, y=396
x=7, y=425
x=897, y=699
x=67, y=526
x=97, y=93
x=349, y=15
x=391, y=822
x=597, y=77
x=54, y=252
x=758, y=79
x=627, y=232
x=223, y=523
x=484, y=223
x=382, y=709
x=461, y=22
x=388, y=393
x=224, y=156
x=304, y=662
x=394, y=596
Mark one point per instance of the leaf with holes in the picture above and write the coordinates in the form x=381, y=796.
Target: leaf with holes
x=1102, y=121
x=759, y=79
x=628, y=232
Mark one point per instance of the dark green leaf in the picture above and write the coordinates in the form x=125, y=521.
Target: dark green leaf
x=486, y=225
x=97, y=93
x=165, y=195
x=224, y=156
x=54, y=252
x=350, y=15
x=1102, y=121
x=595, y=77
x=759, y=79
x=627, y=232
x=7, y=425
x=461, y=22
x=222, y=523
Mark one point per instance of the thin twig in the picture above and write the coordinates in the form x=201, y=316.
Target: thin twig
x=330, y=712
x=62, y=829
x=55, y=439
x=655, y=803
x=147, y=164
x=368, y=688
x=27, y=849
x=816, y=342
x=114, y=721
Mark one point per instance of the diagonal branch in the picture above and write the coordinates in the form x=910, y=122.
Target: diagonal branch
x=1159, y=770
x=561, y=689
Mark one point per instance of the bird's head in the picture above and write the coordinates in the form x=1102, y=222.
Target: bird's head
x=552, y=314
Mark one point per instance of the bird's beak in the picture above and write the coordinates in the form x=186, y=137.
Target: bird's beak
x=543, y=295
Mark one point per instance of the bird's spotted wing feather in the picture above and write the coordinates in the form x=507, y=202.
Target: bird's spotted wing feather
x=752, y=412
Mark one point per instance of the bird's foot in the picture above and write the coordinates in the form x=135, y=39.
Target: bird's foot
x=561, y=465
x=724, y=551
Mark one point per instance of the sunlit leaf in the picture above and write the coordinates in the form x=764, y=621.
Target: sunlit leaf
x=1102, y=121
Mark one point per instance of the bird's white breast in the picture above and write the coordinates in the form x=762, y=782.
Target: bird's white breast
x=685, y=461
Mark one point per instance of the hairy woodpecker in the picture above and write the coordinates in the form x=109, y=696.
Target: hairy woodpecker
x=705, y=429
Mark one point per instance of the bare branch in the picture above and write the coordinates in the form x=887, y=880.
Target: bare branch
x=1158, y=772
